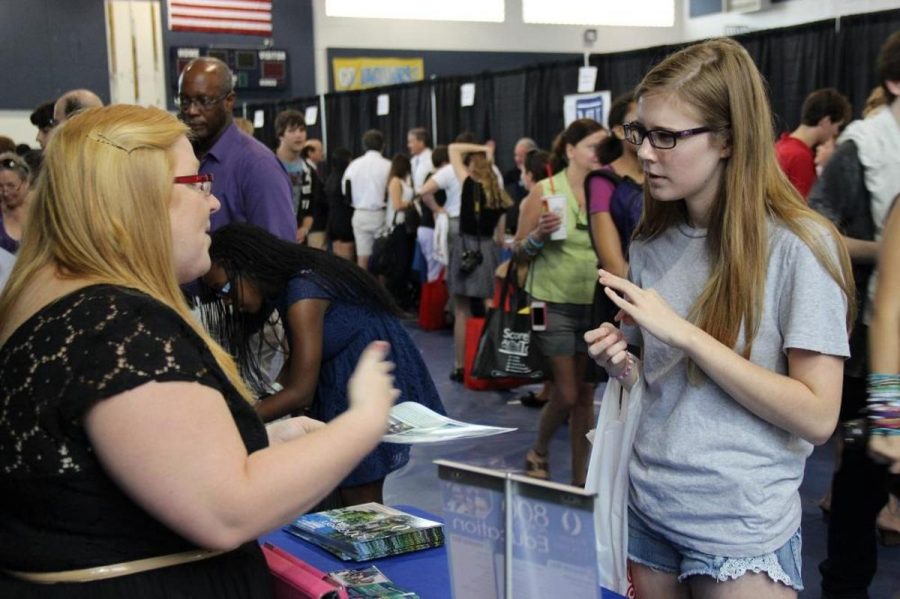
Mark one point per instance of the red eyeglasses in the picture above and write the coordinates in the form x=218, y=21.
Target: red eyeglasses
x=201, y=182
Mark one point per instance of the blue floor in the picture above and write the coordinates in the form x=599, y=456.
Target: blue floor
x=416, y=484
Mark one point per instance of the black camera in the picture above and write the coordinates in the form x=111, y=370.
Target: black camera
x=470, y=260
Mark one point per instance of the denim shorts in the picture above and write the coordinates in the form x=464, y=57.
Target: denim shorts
x=566, y=326
x=650, y=549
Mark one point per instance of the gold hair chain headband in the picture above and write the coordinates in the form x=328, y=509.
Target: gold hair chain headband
x=100, y=138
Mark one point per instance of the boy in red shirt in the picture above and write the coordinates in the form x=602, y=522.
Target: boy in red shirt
x=824, y=112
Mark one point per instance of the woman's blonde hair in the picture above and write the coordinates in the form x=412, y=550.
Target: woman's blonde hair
x=101, y=211
x=483, y=172
x=719, y=82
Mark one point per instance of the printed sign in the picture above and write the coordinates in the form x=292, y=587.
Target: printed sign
x=587, y=79
x=365, y=72
x=311, y=115
x=474, y=529
x=553, y=553
x=467, y=94
x=384, y=105
x=587, y=106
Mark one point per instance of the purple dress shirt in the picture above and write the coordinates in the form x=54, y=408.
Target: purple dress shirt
x=251, y=185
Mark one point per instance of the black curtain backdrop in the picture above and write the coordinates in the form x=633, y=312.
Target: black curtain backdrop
x=529, y=102
x=350, y=114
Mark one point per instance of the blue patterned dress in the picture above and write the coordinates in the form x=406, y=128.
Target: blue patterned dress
x=348, y=329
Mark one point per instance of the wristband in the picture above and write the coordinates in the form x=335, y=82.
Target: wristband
x=531, y=246
x=883, y=404
x=535, y=242
x=628, y=365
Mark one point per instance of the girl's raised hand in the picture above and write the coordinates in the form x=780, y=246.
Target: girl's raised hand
x=607, y=347
x=646, y=309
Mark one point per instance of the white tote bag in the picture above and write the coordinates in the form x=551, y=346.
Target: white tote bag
x=607, y=476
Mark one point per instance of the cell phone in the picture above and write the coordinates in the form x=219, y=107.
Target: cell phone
x=538, y=316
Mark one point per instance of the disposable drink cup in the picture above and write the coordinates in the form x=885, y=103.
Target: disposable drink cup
x=558, y=205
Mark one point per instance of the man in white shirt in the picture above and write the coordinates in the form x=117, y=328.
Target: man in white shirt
x=420, y=156
x=367, y=177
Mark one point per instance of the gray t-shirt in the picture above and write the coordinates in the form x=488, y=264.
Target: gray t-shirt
x=706, y=473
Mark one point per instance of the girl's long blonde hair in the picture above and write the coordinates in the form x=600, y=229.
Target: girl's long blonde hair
x=482, y=171
x=719, y=82
x=101, y=211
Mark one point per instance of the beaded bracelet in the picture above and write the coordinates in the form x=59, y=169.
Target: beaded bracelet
x=883, y=404
x=532, y=246
x=628, y=365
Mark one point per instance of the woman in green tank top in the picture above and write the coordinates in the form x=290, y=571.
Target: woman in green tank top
x=562, y=275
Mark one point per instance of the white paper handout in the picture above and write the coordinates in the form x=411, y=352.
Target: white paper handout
x=411, y=422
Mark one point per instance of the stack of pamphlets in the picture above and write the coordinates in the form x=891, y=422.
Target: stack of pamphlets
x=369, y=582
x=411, y=422
x=368, y=531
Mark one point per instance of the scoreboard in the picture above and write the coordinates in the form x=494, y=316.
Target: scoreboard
x=253, y=69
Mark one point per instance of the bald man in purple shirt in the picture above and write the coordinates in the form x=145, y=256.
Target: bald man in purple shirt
x=248, y=180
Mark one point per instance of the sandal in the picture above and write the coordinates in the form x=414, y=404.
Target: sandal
x=531, y=400
x=537, y=465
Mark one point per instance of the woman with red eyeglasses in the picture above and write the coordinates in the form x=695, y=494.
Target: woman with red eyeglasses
x=15, y=176
x=132, y=463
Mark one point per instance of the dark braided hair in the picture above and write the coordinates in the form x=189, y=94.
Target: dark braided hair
x=253, y=254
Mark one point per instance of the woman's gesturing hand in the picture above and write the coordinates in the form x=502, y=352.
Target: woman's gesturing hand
x=288, y=429
x=372, y=383
x=646, y=309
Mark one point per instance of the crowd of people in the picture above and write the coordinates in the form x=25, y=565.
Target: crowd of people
x=197, y=344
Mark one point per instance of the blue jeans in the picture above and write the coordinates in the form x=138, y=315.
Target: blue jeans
x=652, y=550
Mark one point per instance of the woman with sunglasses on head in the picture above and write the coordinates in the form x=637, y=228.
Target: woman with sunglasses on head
x=15, y=179
x=562, y=275
x=133, y=463
x=741, y=298
x=331, y=310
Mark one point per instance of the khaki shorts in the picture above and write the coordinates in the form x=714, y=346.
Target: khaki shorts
x=366, y=226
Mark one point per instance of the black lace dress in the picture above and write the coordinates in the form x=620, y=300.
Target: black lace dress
x=58, y=508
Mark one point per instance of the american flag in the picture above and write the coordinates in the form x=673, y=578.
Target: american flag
x=221, y=16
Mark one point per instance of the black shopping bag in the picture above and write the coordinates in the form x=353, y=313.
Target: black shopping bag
x=506, y=348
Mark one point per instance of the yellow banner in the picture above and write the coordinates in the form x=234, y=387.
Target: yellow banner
x=364, y=72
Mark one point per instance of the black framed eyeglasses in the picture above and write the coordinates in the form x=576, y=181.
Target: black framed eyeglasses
x=6, y=188
x=203, y=103
x=201, y=182
x=661, y=139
